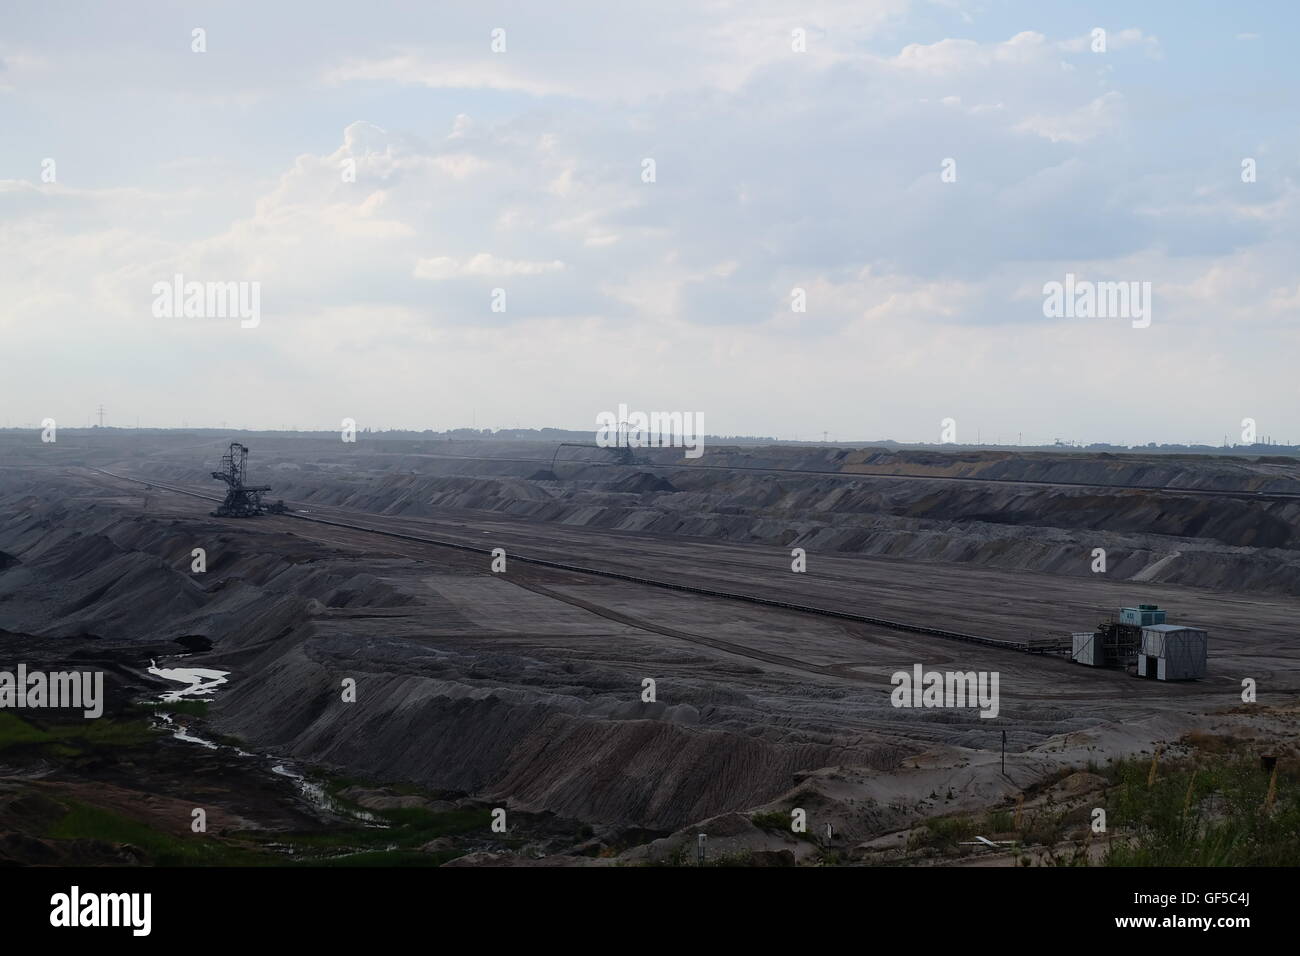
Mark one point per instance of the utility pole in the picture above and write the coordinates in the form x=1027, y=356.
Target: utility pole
x=101, y=416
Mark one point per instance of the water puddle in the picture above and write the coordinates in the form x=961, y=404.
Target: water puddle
x=200, y=681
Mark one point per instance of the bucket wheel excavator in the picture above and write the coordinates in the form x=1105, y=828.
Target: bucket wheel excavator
x=242, y=500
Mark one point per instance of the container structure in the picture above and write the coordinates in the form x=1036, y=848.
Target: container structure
x=1111, y=645
x=1086, y=648
x=1173, y=652
x=1144, y=615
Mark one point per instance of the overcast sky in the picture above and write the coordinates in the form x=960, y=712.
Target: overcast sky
x=774, y=170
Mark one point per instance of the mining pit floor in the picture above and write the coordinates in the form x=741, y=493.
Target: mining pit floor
x=523, y=689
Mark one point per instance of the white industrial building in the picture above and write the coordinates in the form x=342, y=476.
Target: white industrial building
x=1172, y=652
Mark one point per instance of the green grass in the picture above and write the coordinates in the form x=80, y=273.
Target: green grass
x=71, y=739
x=86, y=822
x=942, y=833
x=16, y=732
x=772, y=820
x=335, y=785
x=777, y=821
x=395, y=844
x=1223, y=823
x=1202, y=812
x=999, y=821
x=190, y=708
x=398, y=844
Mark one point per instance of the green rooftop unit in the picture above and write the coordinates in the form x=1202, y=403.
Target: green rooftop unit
x=1144, y=615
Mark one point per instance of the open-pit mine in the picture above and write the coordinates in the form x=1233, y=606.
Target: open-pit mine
x=498, y=652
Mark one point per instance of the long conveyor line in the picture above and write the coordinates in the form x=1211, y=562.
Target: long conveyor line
x=1028, y=647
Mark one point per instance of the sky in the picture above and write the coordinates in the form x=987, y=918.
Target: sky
x=919, y=170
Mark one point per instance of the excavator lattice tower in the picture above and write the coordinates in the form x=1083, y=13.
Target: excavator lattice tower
x=242, y=501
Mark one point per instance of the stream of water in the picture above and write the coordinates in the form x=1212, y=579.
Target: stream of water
x=201, y=683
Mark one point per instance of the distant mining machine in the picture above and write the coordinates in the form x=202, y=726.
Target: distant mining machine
x=242, y=501
x=1115, y=642
x=1142, y=637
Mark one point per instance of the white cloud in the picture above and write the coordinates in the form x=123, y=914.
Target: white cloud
x=483, y=264
x=775, y=170
x=1079, y=125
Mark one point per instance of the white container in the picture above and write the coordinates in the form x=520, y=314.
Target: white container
x=1086, y=648
x=1174, y=652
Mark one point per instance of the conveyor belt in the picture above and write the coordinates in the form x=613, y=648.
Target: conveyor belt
x=1027, y=647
